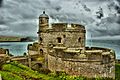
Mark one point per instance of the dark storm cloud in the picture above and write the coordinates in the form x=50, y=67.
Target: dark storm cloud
x=100, y=13
x=118, y=1
x=86, y=8
x=117, y=8
x=118, y=19
x=58, y=8
x=1, y=1
x=116, y=5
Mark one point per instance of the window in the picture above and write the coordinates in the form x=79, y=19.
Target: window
x=79, y=40
x=42, y=20
x=41, y=51
x=64, y=36
x=41, y=39
x=59, y=39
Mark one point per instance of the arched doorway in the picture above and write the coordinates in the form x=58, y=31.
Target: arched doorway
x=59, y=39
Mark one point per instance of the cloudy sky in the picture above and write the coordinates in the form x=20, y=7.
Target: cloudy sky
x=100, y=17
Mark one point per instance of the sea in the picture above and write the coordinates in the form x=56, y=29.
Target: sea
x=19, y=48
x=15, y=48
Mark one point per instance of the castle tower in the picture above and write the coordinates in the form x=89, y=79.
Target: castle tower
x=43, y=22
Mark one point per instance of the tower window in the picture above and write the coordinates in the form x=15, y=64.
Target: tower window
x=79, y=40
x=59, y=39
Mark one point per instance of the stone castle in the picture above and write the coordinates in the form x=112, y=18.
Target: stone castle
x=61, y=47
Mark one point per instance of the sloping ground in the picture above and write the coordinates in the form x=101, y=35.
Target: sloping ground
x=17, y=71
x=9, y=76
x=20, y=72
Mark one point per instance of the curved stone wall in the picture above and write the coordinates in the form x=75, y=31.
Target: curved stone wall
x=84, y=67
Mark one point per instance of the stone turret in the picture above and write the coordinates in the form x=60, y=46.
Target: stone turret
x=43, y=22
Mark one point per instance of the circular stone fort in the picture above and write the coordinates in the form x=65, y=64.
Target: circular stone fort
x=62, y=48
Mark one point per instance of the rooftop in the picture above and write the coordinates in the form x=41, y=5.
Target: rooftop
x=44, y=15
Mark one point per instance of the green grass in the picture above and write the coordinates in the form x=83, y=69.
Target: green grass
x=23, y=71
x=9, y=76
x=117, y=71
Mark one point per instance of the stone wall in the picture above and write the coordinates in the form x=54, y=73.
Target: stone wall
x=3, y=51
x=81, y=67
x=31, y=52
x=69, y=39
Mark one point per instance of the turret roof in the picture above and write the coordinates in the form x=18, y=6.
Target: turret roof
x=44, y=15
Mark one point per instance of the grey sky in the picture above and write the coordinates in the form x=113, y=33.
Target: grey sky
x=20, y=17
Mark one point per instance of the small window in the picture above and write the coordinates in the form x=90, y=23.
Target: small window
x=64, y=36
x=41, y=21
x=41, y=51
x=59, y=39
x=79, y=40
x=41, y=39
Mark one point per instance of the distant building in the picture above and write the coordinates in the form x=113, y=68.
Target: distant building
x=3, y=55
x=3, y=52
x=62, y=46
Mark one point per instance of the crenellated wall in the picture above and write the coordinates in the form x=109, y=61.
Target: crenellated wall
x=67, y=27
x=70, y=36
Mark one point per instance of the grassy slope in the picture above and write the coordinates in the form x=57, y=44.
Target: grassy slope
x=9, y=76
x=22, y=71
x=117, y=71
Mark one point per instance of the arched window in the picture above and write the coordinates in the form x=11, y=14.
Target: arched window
x=59, y=39
x=79, y=40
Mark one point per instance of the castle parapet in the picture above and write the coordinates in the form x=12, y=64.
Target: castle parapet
x=59, y=26
x=67, y=27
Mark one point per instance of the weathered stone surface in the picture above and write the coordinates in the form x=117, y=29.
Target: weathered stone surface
x=84, y=68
